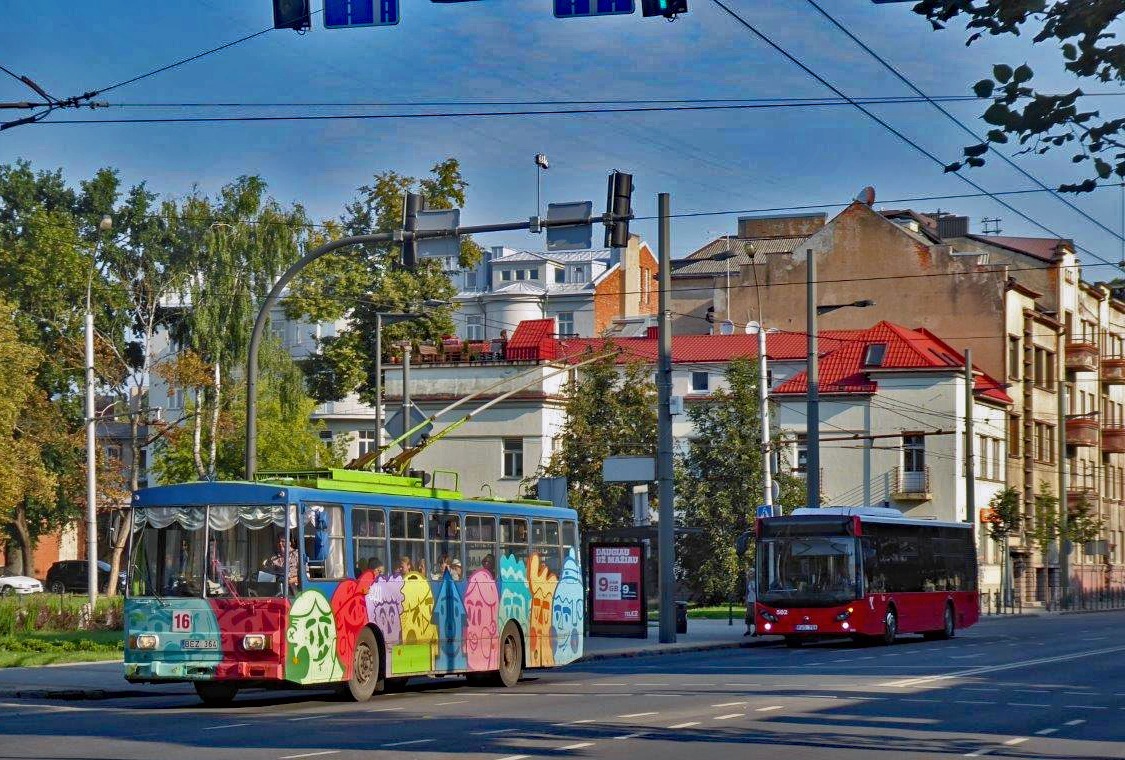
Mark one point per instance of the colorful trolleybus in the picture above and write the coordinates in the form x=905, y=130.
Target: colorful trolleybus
x=345, y=578
x=864, y=572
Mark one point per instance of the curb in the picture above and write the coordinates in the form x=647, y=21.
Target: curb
x=75, y=695
x=673, y=649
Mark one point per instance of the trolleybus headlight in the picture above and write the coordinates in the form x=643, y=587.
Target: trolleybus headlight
x=145, y=641
x=255, y=642
x=845, y=614
x=769, y=616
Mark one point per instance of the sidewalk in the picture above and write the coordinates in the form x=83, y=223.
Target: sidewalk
x=104, y=680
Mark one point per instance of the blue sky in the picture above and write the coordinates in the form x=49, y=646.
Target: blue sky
x=516, y=50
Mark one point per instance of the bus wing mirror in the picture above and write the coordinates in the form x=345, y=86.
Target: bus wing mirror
x=742, y=543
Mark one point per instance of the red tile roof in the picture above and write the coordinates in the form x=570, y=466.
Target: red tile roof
x=842, y=355
x=532, y=339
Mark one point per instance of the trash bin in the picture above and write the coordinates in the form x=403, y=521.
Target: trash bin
x=681, y=617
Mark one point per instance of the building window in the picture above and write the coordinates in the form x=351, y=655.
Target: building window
x=471, y=280
x=367, y=441
x=996, y=474
x=802, y=454
x=579, y=274
x=1015, y=357
x=560, y=275
x=521, y=274
x=700, y=381
x=873, y=357
x=513, y=458
x=1045, y=368
x=533, y=274
x=474, y=327
x=1044, y=442
x=566, y=323
x=327, y=438
x=113, y=452
x=1015, y=434
x=913, y=452
x=506, y=274
x=981, y=468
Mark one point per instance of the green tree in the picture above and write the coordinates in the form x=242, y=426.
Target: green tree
x=287, y=437
x=1046, y=528
x=608, y=413
x=360, y=282
x=1003, y=520
x=1082, y=523
x=719, y=483
x=1084, y=32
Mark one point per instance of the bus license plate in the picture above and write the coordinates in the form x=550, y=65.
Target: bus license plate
x=200, y=644
x=804, y=627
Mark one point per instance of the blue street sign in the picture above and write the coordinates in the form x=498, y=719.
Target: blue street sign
x=765, y=510
x=576, y=8
x=344, y=14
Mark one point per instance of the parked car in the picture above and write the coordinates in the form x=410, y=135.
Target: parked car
x=71, y=576
x=10, y=583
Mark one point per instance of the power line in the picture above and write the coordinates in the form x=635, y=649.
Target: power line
x=933, y=101
x=883, y=123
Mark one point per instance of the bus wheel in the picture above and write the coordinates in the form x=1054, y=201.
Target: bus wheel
x=948, y=627
x=215, y=694
x=365, y=667
x=511, y=656
x=890, y=627
x=793, y=642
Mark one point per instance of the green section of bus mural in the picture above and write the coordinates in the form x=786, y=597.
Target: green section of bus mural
x=311, y=637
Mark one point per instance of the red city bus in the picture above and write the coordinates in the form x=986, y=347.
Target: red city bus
x=864, y=572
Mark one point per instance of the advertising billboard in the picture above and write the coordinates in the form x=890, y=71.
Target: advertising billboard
x=617, y=596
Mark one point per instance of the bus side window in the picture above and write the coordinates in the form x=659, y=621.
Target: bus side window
x=570, y=541
x=445, y=545
x=408, y=542
x=480, y=543
x=513, y=537
x=369, y=540
x=545, y=543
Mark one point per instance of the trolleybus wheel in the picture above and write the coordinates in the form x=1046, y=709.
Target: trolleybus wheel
x=215, y=694
x=511, y=656
x=890, y=627
x=365, y=667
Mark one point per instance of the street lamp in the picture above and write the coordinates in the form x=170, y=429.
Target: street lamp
x=726, y=256
x=541, y=166
x=812, y=373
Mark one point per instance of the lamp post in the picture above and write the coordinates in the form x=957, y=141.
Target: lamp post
x=105, y=225
x=812, y=372
x=725, y=257
x=541, y=166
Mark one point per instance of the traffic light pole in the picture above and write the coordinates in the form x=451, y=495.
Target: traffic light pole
x=397, y=236
x=664, y=461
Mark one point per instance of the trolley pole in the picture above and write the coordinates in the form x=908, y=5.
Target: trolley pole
x=666, y=487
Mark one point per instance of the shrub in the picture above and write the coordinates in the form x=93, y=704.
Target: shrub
x=48, y=612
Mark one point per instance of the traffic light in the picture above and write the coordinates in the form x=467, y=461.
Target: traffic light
x=291, y=14
x=410, y=208
x=665, y=8
x=710, y=316
x=619, y=204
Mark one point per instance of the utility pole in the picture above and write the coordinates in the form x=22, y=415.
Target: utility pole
x=91, y=462
x=812, y=374
x=764, y=416
x=1064, y=486
x=378, y=390
x=666, y=488
x=970, y=462
x=406, y=425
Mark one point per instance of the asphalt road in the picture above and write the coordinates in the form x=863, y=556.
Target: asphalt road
x=1048, y=687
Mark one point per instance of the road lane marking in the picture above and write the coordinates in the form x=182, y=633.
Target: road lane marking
x=1015, y=741
x=729, y=704
x=728, y=716
x=1075, y=722
x=771, y=708
x=513, y=757
x=631, y=736
x=997, y=668
x=454, y=702
x=971, y=702
x=979, y=752
x=689, y=724
x=498, y=731
x=579, y=745
x=311, y=754
x=407, y=743
x=637, y=715
x=227, y=725
x=1087, y=707
x=1077, y=693
x=919, y=699
x=966, y=656
x=978, y=688
x=384, y=709
x=1046, y=732
x=1028, y=704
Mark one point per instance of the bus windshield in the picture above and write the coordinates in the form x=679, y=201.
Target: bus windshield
x=807, y=571
x=213, y=551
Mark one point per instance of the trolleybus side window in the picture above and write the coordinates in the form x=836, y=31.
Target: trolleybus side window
x=408, y=542
x=480, y=543
x=513, y=537
x=369, y=536
x=545, y=543
x=570, y=540
x=324, y=542
x=445, y=545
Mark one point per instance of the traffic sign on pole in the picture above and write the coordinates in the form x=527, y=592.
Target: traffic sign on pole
x=577, y=237
x=764, y=510
x=576, y=8
x=345, y=14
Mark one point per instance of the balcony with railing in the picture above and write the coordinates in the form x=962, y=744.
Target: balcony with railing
x=1081, y=356
x=1082, y=431
x=911, y=485
x=1113, y=439
x=1113, y=370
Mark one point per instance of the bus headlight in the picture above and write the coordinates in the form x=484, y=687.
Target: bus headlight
x=845, y=614
x=769, y=616
x=255, y=642
x=145, y=641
